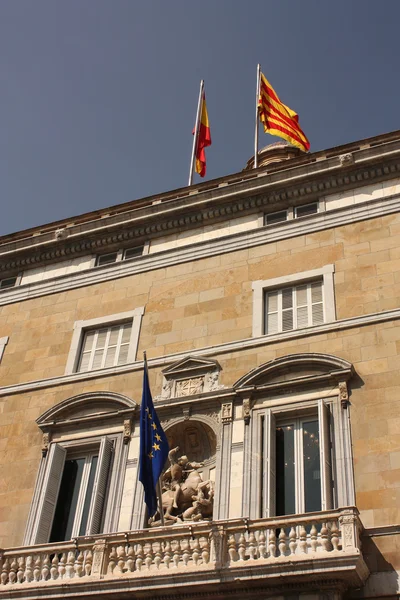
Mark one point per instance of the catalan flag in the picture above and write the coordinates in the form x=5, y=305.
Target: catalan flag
x=203, y=138
x=153, y=446
x=277, y=118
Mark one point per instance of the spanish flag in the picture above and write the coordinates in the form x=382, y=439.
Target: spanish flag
x=203, y=138
x=279, y=119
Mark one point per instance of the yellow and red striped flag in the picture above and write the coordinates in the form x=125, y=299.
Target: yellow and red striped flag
x=203, y=138
x=277, y=118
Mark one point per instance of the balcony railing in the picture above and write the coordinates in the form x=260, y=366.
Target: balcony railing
x=326, y=544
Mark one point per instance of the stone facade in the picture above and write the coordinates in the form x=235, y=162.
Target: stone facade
x=198, y=299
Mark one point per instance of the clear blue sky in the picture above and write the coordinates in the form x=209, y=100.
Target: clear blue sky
x=98, y=97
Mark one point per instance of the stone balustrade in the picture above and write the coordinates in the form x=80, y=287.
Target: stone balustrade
x=195, y=547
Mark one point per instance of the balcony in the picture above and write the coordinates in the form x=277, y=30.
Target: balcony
x=312, y=552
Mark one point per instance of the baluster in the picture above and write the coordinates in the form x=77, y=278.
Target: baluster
x=167, y=553
x=282, y=542
x=303, y=540
x=28, y=575
x=157, y=554
x=335, y=535
x=185, y=551
x=313, y=538
x=205, y=550
x=177, y=553
x=88, y=562
x=262, y=548
x=12, y=575
x=78, y=566
x=121, y=558
x=272, y=542
x=233, y=554
x=54, y=567
x=139, y=557
x=324, y=538
x=242, y=547
x=252, y=546
x=196, y=551
x=292, y=540
x=112, y=560
x=149, y=556
x=69, y=567
x=46, y=567
x=61, y=565
x=37, y=568
x=4, y=571
x=130, y=558
x=21, y=569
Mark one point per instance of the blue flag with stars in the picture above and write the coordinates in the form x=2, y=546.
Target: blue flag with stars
x=153, y=446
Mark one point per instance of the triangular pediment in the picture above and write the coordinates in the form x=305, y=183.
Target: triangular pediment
x=191, y=364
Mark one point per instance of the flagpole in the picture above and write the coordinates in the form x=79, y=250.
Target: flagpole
x=160, y=506
x=256, y=123
x=196, y=131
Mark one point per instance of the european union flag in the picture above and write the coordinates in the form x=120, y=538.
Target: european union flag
x=153, y=446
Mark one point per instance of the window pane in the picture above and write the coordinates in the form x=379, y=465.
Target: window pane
x=67, y=500
x=276, y=217
x=312, y=467
x=272, y=323
x=132, y=252
x=272, y=302
x=110, y=357
x=113, y=336
x=316, y=291
x=85, y=359
x=317, y=314
x=126, y=333
x=106, y=259
x=7, y=283
x=88, y=496
x=287, y=298
x=301, y=295
x=101, y=338
x=307, y=209
x=88, y=341
x=285, y=471
x=123, y=354
x=302, y=317
x=98, y=357
x=287, y=320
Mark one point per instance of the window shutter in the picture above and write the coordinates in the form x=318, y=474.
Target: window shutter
x=269, y=478
x=100, y=486
x=49, y=495
x=325, y=455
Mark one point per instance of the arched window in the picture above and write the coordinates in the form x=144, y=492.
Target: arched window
x=78, y=488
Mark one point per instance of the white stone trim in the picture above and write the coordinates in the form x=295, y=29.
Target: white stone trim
x=81, y=326
x=259, y=287
x=239, y=241
x=264, y=340
x=3, y=344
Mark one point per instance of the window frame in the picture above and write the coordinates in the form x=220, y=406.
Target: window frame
x=300, y=206
x=81, y=327
x=17, y=278
x=261, y=287
x=3, y=344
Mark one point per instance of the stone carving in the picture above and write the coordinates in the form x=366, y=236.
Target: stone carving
x=343, y=394
x=226, y=412
x=45, y=443
x=187, y=411
x=61, y=233
x=185, y=496
x=127, y=430
x=213, y=381
x=346, y=159
x=166, y=390
x=189, y=387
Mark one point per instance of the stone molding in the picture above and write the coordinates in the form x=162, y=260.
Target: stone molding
x=189, y=377
x=307, y=177
x=373, y=318
x=230, y=243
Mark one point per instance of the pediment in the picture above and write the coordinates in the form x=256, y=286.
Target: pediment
x=297, y=368
x=86, y=407
x=191, y=364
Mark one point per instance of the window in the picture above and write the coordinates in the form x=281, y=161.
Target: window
x=122, y=254
x=8, y=283
x=105, y=347
x=3, y=344
x=80, y=481
x=104, y=342
x=276, y=217
x=293, y=302
x=294, y=307
x=299, y=446
x=295, y=461
x=305, y=210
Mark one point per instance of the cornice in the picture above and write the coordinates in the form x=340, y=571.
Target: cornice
x=221, y=199
x=230, y=243
x=217, y=350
